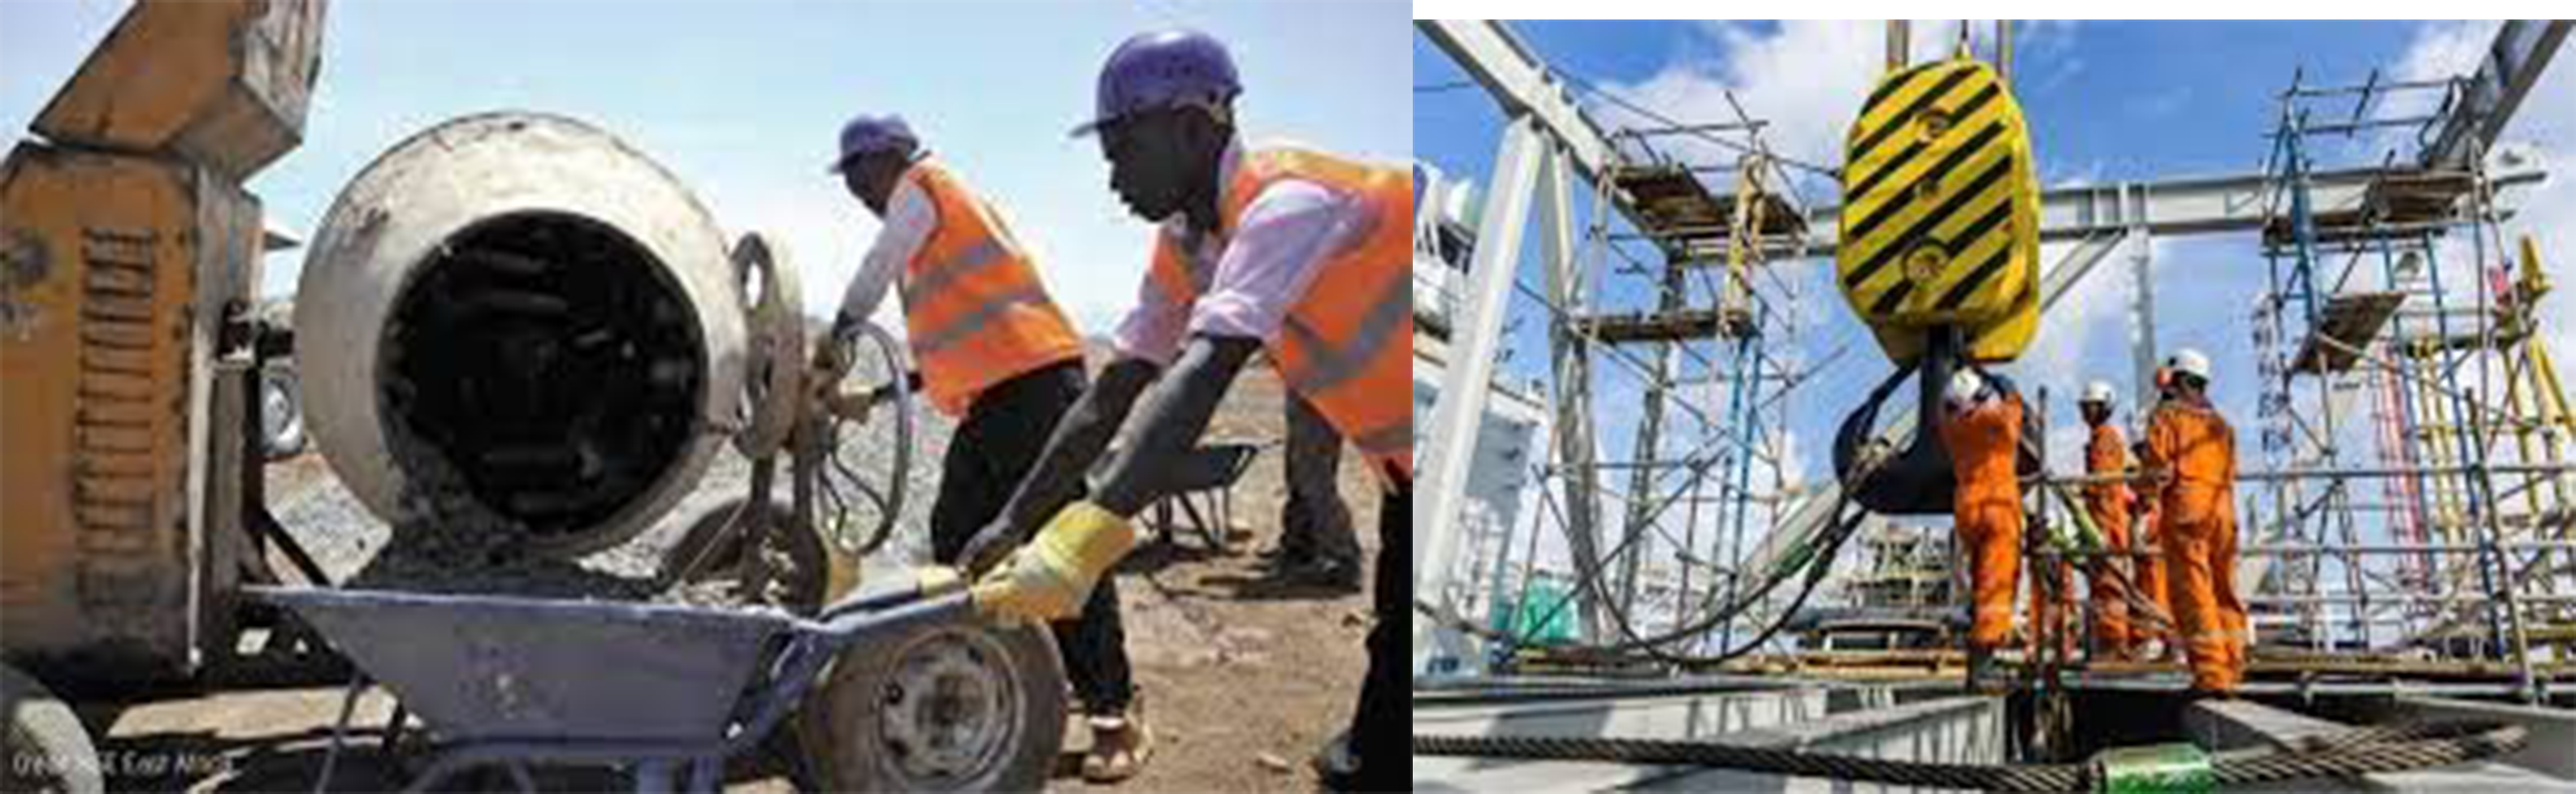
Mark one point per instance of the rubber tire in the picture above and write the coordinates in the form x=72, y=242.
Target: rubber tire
x=837, y=728
x=41, y=726
x=811, y=563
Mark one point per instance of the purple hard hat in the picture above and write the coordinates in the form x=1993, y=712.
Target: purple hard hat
x=869, y=134
x=1161, y=69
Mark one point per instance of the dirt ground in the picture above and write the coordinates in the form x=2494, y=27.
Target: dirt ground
x=1241, y=676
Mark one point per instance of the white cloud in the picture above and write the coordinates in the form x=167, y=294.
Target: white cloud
x=2441, y=49
x=2061, y=175
x=1806, y=78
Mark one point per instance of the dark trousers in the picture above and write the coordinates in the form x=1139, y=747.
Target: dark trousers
x=1382, y=726
x=1313, y=525
x=1004, y=432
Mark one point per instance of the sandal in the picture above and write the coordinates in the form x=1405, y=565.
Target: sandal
x=1119, y=747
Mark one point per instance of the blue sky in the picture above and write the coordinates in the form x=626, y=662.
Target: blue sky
x=2107, y=101
x=742, y=100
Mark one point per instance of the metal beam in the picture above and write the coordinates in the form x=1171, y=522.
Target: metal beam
x=2513, y=64
x=2189, y=205
x=1475, y=344
x=1521, y=84
x=1509, y=70
x=2142, y=307
x=1572, y=359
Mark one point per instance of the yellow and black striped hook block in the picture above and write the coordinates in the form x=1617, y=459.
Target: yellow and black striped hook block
x=1940, y=212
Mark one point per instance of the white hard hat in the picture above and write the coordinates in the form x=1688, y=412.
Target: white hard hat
x=2191, y=362
x=2097, y=392
x=1965, y=387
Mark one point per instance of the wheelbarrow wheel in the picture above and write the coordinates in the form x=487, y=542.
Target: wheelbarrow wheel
x=953, y=707
x=47, y=750
x=798, y=563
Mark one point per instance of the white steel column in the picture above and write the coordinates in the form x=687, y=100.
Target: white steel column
x=1475, y=343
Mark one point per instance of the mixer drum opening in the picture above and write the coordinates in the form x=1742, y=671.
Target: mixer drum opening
x=546, y=364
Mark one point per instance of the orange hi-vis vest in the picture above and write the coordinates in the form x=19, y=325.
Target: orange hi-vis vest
x=1347, y=343
x=972, y=303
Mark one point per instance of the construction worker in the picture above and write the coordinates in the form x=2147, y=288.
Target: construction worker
x=2149, y=535
x=2107, y=455
x=1299, y=255
x=2191, y=452
x=1316, y=543
x=1981, y=422
x=992, y=351
x=2148, y=539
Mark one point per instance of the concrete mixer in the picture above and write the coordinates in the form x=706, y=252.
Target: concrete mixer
x=510, y=325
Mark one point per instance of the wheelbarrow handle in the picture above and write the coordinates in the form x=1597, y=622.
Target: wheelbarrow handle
x=931, y=582
x=846, y=622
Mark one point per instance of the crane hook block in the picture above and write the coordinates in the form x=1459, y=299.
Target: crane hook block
x=1940, y=218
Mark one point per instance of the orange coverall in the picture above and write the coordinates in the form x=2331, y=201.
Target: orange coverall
x=2108, y=502
x=2195, y=449
x=1983, y=443
x=2148, y=531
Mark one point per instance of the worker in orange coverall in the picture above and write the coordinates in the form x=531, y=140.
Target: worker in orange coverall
x=2192, y=453
x=1981, y=421
x=2149, y=536
x=2107, y=454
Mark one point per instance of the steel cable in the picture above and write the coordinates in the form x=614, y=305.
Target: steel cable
x=2359, y=751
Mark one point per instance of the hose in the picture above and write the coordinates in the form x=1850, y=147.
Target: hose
x=2359, y=751
x=1816, y=566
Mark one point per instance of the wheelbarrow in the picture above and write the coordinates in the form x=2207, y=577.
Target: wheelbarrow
x=901, y=690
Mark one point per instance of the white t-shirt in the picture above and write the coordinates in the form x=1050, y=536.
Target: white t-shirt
x=1261, y=270
x=910, y=217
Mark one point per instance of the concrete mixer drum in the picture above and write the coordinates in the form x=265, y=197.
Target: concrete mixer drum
x=515, y=323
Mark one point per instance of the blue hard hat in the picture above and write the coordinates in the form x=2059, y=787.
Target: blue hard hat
x=868, y=134
x=1161, y=69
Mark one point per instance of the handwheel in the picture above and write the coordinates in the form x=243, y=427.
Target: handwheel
x=860, y=501
x=948, y=707
x=47, y=751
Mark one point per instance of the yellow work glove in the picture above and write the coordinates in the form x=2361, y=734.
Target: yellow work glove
x=1050, y=577
x=936, y=579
